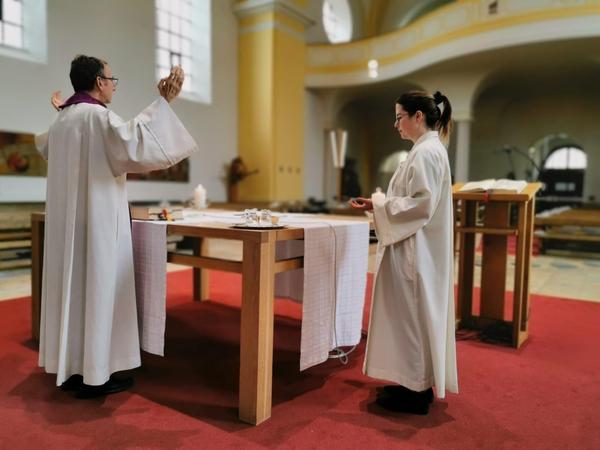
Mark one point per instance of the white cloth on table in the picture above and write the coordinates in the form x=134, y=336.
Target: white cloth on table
x=331, y=286
x=150, y=262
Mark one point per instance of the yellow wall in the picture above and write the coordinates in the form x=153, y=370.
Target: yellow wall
x=256, y=113
x=289, y=117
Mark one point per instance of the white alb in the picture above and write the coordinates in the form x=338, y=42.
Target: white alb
x=89, y=322
x=411, y=332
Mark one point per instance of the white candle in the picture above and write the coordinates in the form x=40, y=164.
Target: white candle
x=378, y=197
x=199, y=197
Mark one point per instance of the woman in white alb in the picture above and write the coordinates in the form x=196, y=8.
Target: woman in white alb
x=411, y=332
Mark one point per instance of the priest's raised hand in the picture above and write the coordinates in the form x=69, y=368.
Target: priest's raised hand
x=170, y=86
x=56, y=100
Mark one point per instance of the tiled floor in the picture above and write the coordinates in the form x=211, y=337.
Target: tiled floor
x=566, y=277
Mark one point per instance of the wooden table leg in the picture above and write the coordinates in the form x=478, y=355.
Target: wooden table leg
x=256, y=340
x=466, y=263
x=200, y=276
x=493, y=262
x=530, y=219
x=37, y=259
x=522, y=265
x=520, y=269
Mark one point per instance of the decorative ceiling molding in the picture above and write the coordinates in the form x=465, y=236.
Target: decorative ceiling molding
x=451, y=31
x=250, y=8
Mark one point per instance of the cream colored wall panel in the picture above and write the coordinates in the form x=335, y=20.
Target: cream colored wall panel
x=459, y=29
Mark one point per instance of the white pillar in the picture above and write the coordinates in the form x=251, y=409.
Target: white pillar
x=462, y=89
x=463, y=147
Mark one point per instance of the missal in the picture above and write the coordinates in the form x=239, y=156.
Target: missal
x=501, y=186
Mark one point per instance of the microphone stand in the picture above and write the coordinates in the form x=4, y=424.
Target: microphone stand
x=510, y=150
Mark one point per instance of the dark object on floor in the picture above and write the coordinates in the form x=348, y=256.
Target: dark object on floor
x=416, y=405
x=497, y=333
x=399, y=391
x=112, y=386
x=74, y=382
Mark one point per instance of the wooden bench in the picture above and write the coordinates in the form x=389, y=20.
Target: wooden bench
x=550, y=234
x=573, y=225
x=15, y=234
x=14, y=245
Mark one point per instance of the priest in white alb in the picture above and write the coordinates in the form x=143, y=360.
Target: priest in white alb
x=89, y=325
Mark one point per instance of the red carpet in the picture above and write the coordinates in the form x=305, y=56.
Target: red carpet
x=543, y=396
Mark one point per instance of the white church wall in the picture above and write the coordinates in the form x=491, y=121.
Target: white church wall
x=123, y=33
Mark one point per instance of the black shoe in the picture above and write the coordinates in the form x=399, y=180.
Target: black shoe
x=112, y=386
x=416, y=406
x=397, y=390
x=74, y=382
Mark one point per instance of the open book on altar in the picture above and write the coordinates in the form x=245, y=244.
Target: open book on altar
x=502, y=186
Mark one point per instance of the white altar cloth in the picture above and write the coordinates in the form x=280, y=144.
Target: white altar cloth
x=331, y=286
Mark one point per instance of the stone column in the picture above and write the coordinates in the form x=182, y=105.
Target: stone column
x=463, y=148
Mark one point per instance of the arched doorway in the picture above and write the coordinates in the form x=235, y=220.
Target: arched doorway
x=563, y=164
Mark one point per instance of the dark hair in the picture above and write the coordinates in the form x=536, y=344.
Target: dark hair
x=435, y=119
x=84, y=70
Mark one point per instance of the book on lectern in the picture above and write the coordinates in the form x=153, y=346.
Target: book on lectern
x=492, y=186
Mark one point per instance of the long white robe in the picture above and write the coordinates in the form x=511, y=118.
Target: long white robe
x=89, y=321
x=411, y=332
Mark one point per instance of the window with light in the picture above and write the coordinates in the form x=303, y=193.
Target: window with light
x=337, y=21
x=183, y=38
x=11, y=23
x=566, y=158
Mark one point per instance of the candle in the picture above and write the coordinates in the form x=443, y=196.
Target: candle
x=199, y=197
x=378, y=197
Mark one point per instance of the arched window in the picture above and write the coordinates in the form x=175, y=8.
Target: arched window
x=337, y=21
x=183, y=38
x=566, y=158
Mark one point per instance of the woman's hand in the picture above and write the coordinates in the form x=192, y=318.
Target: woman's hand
x=170, y=86
x=361, y=203
x=56, y=100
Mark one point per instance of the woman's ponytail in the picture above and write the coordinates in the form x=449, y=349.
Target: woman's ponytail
x=444, y=124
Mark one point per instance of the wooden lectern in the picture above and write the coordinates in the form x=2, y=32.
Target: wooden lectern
x=495, y=226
